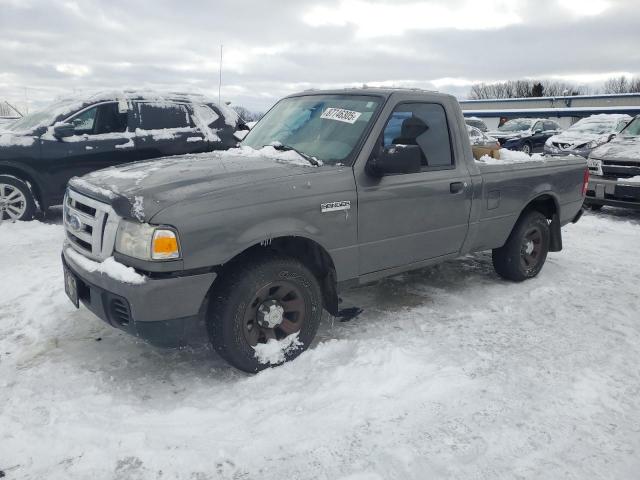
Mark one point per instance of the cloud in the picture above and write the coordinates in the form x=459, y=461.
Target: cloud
x=54, y=47
x=73, y=69
x=388, y=19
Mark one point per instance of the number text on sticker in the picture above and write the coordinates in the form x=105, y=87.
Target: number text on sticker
x=341, y=115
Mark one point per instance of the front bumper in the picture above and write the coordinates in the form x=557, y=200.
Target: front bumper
x=167, y=311
x=612, y=192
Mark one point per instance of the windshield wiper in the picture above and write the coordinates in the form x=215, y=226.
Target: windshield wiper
x=286, y=148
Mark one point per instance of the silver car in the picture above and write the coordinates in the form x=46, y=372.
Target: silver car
x=586, y=134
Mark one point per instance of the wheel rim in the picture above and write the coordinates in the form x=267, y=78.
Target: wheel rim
x=531, y=249
x=276, y=310
x=526, y=149
x=13, y=203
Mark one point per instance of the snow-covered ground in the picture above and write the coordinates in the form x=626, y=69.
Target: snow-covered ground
x=450, y=372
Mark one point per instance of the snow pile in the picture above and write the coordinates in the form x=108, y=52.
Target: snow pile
x=269, y=152
x=274, y=351
x=511, y=156
x=109, y=267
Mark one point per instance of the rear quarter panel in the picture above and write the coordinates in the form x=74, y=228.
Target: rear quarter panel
x=506, y=190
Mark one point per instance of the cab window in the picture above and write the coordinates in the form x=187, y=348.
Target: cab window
x=161, y=115
x=103, y=118
x=425, y=125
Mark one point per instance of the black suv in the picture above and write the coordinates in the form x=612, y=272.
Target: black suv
x=40, y=152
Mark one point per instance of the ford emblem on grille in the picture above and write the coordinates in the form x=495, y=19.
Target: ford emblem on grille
x=74, y=222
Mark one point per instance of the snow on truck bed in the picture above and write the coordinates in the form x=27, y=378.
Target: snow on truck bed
x=450, y=372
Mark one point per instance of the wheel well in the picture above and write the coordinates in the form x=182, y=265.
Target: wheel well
x=312, y=255
x=25, y=177
x=547, y=205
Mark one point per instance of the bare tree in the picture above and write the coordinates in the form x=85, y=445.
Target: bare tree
x=524, y=89
x=246, y=114
x=622, y=84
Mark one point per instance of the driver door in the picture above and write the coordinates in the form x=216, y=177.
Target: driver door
x=101, y=139
x=408, y=218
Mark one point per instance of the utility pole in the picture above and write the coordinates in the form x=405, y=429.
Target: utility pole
x=220, y=78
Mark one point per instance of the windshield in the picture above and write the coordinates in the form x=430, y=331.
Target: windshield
x=327, y=127
x=517, y=125
x=44, y=117
x=598, y=127
x=633, y=129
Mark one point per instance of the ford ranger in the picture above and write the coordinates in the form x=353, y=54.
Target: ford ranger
x=330, y=190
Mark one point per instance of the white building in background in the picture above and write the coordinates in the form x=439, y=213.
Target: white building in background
x=566, y=110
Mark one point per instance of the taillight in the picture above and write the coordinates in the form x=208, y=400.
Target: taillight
x=585, y=182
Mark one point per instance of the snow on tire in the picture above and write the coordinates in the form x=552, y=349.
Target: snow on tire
x=264, y=311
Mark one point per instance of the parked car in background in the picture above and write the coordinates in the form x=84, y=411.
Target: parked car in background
x=482, y=144
x=477, y=123
x=586, y=134
x=40, y=152
x=526, y=134
x=615, y=170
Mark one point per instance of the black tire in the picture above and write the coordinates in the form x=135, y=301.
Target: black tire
x=526, y=148
x=237, y=299
x=26, y=205
x=595, y=207
x=524, y=253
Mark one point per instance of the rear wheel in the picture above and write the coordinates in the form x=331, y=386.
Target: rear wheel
x=595, y=207
x=16, y=200
x=264, y=298
x=524, y=253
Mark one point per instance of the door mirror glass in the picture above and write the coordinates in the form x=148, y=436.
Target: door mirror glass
x=396, y=159
x=63, y=130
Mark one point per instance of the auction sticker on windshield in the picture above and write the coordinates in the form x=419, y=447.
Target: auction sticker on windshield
x=341, y=115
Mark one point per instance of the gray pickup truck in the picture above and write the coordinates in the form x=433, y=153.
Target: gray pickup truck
x=330, y=190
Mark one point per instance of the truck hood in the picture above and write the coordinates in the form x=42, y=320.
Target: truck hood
x=620, y=148
x=142, y=189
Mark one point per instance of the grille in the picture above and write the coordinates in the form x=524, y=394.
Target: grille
x=90, y=225
x=119, y=310
x=620, y=169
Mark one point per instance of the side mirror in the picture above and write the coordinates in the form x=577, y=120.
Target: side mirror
x=240, y=134
x=63, y=130
x=396, y=159
x=538, y=131
x=612, y=136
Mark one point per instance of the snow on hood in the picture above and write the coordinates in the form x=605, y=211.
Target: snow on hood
x=10, y=139
x=620, y=148
x=149, y=186
x=575, y=138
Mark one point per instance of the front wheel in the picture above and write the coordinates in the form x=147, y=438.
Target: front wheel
x=526, y=148
x=16, y=200
x=264, y=311
x=524, y=253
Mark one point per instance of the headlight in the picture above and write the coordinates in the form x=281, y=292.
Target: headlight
x=146, y=242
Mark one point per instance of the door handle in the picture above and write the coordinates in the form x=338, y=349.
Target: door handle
x=456, y=187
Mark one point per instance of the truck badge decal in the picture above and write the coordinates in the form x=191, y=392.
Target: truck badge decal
x=335, y=206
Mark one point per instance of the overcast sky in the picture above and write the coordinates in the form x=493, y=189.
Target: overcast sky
x=276, y=47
